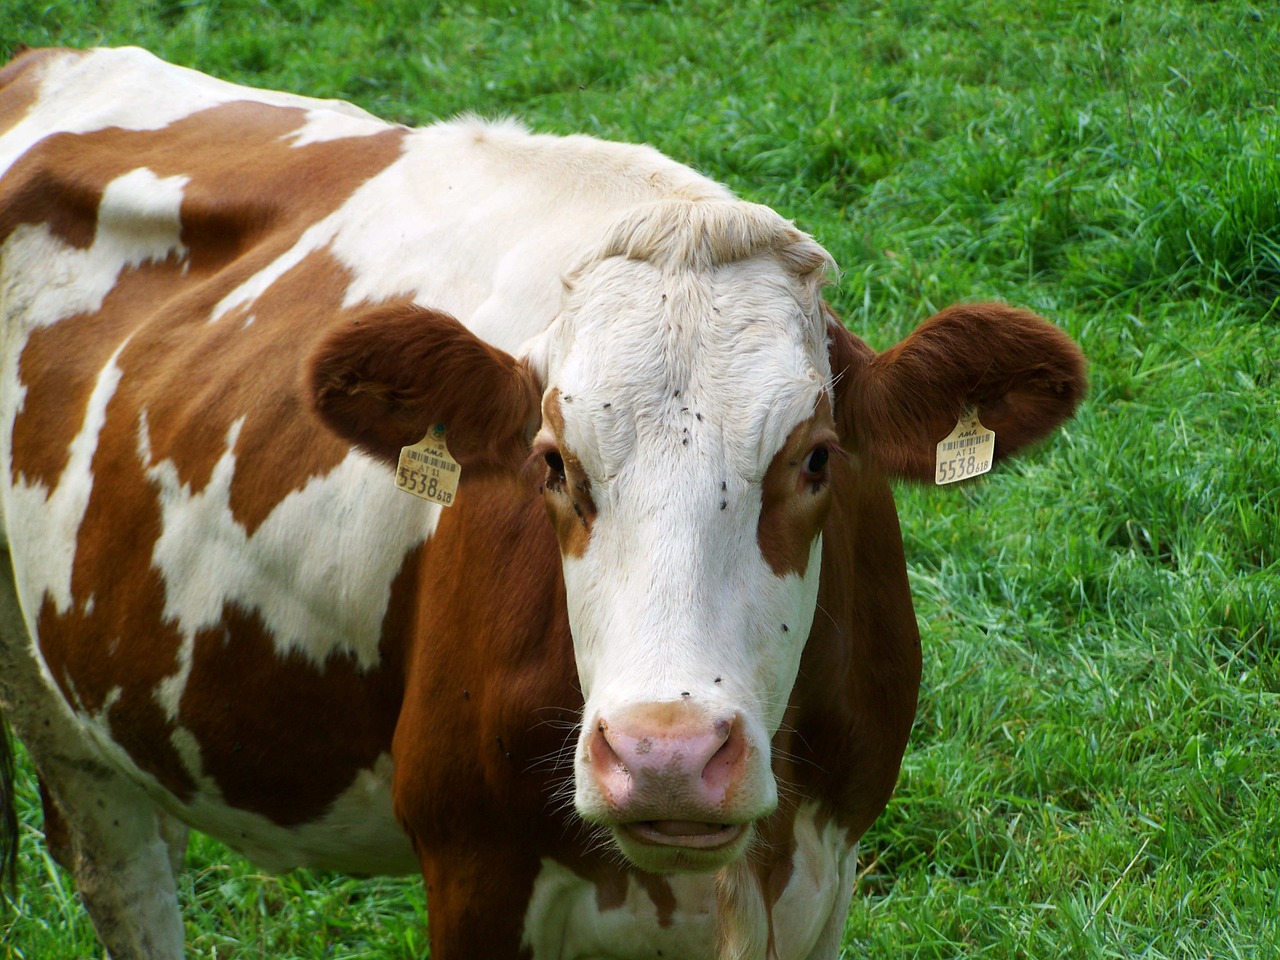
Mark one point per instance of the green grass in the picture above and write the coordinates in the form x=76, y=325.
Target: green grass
x=232, y=911
x=1095, y=769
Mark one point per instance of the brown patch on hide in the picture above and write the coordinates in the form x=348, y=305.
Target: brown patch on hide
x=20, y=85
x=191, y=377
x=289, y=757
x=794, y=503
x=110, y=651
x=567, y=496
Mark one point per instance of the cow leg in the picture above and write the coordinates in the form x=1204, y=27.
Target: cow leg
x=123, y=852
x=476, y=902
x=124, y=873
x=174, y=832
x=105, y=829
x=57, y=838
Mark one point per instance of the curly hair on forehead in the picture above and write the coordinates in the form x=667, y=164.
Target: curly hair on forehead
x=700, y=234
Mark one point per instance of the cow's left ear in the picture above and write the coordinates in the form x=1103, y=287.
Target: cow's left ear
x=1020, y=373
x=385, y=378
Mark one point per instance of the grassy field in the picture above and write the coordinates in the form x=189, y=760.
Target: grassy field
x=1095, y=769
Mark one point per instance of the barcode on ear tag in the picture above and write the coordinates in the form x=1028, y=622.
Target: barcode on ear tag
x=427, y=471
x=967, y=451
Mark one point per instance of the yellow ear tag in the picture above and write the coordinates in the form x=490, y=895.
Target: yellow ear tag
x=427, y=471
x=967, y=451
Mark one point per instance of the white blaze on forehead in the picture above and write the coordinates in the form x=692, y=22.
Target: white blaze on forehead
x=725, y=364
x=677, y=387
x=685, y=356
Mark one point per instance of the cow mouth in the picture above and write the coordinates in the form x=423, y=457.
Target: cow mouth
x=689, y=834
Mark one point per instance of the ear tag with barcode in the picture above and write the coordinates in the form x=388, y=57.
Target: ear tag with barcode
x=427, y=471
x=967, y=451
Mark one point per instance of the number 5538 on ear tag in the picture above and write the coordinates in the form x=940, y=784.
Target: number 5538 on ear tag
x=427, y=471
x=967, y=451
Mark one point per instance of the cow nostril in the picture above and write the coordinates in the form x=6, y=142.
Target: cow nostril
x=721, y=756
x=721, y=769
x=604, y=759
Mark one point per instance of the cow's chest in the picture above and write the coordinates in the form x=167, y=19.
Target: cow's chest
x=572, y=918
x=643, y=917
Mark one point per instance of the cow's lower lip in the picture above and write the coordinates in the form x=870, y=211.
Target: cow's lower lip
x=685, y=833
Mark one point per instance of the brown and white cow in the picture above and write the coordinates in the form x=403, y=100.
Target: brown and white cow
x=637, y=692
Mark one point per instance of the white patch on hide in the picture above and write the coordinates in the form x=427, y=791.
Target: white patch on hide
x=563, y=920
x=43, y=523
x=480, y=220
x=318, y=570
x=46, y=280
x=816, y=899
x=327, y=124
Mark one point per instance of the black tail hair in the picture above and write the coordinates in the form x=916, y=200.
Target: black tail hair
x=8, y=812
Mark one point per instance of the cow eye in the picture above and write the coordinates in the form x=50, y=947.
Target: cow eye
x=816, y=462
x=555, y=467
x=813, y=473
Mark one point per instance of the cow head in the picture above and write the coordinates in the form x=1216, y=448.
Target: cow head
x=684, y=414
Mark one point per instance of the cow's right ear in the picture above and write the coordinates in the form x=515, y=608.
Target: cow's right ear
x=384, y=379
x=1020, y=374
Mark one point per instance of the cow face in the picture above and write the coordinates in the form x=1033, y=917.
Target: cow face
x=683, y=417
x=684, y=452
